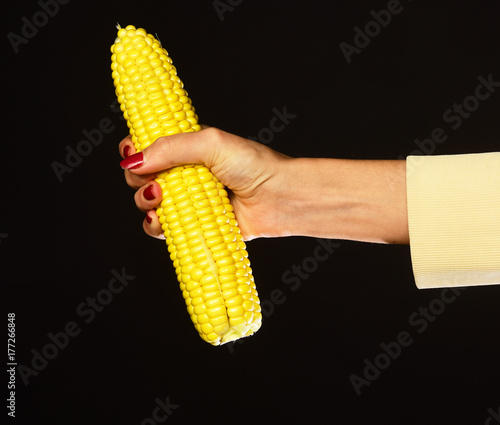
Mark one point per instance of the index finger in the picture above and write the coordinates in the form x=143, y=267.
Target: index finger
x=126, y=147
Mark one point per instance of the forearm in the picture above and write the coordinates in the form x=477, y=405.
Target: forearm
x=363, y=200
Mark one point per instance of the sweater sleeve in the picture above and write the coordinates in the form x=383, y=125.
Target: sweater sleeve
x=454, y=219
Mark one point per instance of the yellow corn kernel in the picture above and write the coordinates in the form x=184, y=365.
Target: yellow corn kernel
x=202, y=234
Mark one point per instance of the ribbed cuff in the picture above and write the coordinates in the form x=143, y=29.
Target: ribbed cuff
x=454, y=219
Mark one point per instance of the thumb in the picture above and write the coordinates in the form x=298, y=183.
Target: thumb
x=170, y=151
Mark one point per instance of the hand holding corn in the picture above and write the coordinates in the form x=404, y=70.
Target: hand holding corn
x=202, y=234
x=256, y=175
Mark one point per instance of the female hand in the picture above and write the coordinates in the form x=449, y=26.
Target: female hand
x=254, y=174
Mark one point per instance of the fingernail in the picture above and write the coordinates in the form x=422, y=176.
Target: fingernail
x=148, y=193
x=126, y=151
x=148, y=218
x=132, y=162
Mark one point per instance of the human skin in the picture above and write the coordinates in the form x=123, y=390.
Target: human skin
x=274, y=195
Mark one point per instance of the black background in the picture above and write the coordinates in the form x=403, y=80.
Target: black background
x=65, y=238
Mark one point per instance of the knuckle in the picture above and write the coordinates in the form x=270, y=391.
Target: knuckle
x=215, y=134
x=131, y=180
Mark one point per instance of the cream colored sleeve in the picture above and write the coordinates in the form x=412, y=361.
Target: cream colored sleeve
x=454, y=219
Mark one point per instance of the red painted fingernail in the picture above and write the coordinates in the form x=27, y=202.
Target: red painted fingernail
x=148, y=193
x=148, y=218
x=126, y=151
x=132, y=162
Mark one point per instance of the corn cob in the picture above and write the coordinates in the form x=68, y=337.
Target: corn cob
x=201, y=231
